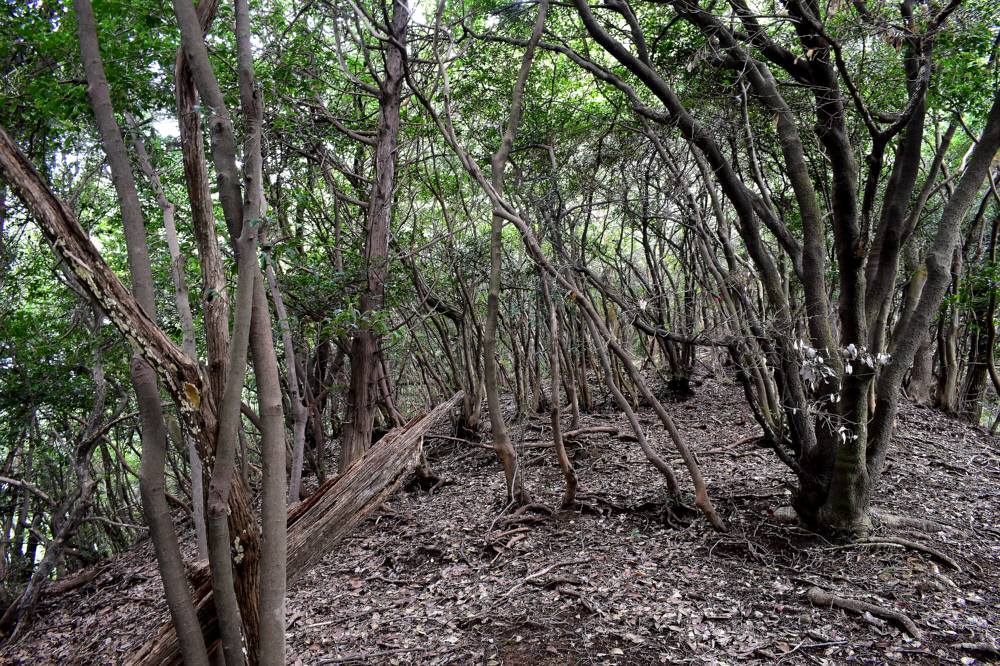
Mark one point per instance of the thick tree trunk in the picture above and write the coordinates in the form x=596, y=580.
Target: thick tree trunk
x=919, y=386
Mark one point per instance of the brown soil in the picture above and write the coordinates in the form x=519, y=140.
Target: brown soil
x=450, y=578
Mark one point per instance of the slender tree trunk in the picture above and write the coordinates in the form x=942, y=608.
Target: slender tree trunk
x=361, y=404
x=300, y=413
x=154, y=441
x=183, y=304
x=273, y=552
x=501, y=440
x=555, y=376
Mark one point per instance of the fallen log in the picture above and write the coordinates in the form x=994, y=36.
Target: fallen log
x=61, y=586
x=317, y=523
x=72, y=582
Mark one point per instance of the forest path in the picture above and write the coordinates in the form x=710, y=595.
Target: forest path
x=447, y=578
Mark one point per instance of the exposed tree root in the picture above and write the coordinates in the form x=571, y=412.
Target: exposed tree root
x=787, y=515
x=895, y=521
x=913, y=545
x=820, y=597
x=528, y=513
x=985, y=650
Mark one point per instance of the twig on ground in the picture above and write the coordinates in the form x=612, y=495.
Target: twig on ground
x=541, y=572
x=367, y=657
x=584, y=601
x=735, y=445
x=985, y=649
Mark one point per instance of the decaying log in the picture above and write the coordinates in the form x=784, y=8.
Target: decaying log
x=61, y=586
x=317, y=523
x=75, y=581
x=347, y=499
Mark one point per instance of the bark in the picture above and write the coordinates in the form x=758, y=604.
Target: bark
x=215, y=299
x=183, y=304
x=501, y=440
x=892, y=229
x=947, y=389
x=227, y=606
x=555, y=376
x=919, y=386
x=273, y=552
x=300, y=412
x=237, y=215
x=153, y=432
x=315, y=525
x=365, y=346
x=982, y=331
x=938, y=263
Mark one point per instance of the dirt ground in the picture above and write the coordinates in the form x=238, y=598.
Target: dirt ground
x=454, y=578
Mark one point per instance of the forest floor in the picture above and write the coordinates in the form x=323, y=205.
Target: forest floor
x=449, y=578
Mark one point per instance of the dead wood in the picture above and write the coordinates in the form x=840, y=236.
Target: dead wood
x=590, y=430
x=541, y=572
x=73, y=582
x=317, y=523
x=820, y=597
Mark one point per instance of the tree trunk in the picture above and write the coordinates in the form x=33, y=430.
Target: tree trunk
x=316, y=524
x=939, y=262
x=501, y=440
x=153, y=433
x=361, y=395
x=569, y=474
x=183, y=304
